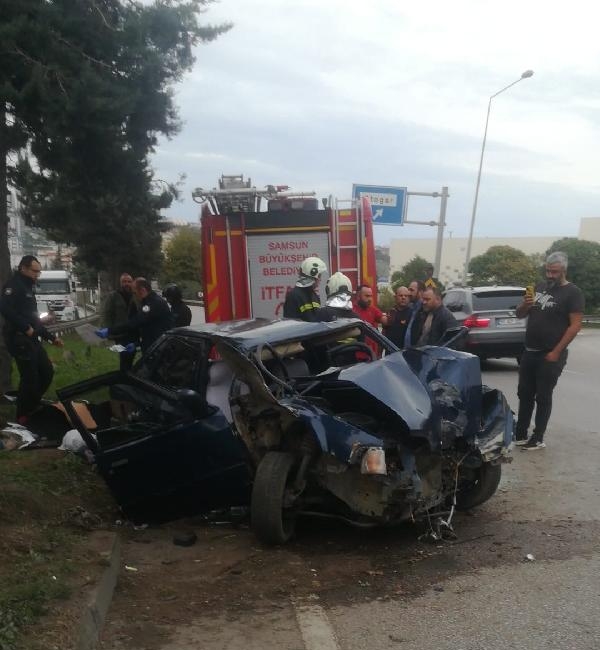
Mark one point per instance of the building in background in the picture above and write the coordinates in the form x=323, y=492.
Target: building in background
x=173, y=227
x=25, y=240
x=455, y=249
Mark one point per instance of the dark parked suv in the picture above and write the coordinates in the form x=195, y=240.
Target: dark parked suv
x=490, y=314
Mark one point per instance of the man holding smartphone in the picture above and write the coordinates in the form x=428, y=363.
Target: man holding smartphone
x=555, y=311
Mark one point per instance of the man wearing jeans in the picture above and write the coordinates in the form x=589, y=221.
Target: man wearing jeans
x=555, y=312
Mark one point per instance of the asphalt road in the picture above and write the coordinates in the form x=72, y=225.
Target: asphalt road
x=336, y=588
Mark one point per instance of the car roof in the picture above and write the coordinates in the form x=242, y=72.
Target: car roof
x=486, y=288
x=249, y=334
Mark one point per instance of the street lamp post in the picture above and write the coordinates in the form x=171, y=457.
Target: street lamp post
x=525, y=75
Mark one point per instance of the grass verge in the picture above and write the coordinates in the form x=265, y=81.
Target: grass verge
x=76, y=361
x=49, y=502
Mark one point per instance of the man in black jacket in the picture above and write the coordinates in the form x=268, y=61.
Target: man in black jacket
x=152, y=320
x=182, y=314
x=22, y=332
x=435, y=318
x=118, y=308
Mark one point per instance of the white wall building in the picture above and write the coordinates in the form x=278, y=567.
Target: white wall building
x=454, y=249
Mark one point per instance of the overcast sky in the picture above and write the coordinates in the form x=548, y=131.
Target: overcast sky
x=323, y=94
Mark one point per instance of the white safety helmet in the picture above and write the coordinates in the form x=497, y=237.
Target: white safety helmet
x=310, y=269
x=338, y=283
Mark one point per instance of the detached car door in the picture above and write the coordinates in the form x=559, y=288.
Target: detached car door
x=163, y=451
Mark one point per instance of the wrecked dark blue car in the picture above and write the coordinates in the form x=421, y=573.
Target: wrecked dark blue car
x=295, y=418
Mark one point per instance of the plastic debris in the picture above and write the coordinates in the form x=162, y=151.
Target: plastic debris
x=529, y=557
x=72, y=441
x=130, y=568
x=15, y=436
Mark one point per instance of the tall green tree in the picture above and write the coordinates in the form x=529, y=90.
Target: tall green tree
x=183, y=261
x=502, y=265
x=414, y=269
x=86, y=90
x=584, y=267
x=88, y=85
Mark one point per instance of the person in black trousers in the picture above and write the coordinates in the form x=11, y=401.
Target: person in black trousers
x=555, y=312
x=23, y=331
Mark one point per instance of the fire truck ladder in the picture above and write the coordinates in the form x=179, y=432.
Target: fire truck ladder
x=348, y=237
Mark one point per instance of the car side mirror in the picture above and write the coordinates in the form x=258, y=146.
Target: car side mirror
x=452, y=336
x=192, y=401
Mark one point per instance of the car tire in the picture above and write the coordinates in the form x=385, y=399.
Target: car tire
x=270, y=523
x=479, y=491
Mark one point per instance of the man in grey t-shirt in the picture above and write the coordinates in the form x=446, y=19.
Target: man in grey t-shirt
x=555, y=312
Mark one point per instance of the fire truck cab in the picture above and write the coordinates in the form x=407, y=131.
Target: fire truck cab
x=253, y=243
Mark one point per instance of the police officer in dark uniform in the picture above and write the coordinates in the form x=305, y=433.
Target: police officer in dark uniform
x=182, y=314
x=22, y=332
x=153, y=318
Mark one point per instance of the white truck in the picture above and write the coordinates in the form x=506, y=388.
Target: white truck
x=55, y=293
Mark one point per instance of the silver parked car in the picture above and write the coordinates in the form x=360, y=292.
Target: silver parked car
x=490, y=314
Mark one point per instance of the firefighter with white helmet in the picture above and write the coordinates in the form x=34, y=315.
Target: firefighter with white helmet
x=303, y=302
x=339, y=298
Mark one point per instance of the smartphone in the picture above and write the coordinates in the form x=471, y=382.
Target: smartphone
x=530, y=291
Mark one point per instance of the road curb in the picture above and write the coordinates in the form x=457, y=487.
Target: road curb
x=98, y=601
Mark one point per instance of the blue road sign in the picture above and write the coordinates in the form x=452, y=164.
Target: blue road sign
x=388, y=203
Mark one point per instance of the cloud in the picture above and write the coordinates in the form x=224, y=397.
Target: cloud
x=321, y=95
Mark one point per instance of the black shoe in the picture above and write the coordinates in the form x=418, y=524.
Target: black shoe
x=534, y=443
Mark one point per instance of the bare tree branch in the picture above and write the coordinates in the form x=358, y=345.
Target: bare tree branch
x=80, y=51
x=102, y=16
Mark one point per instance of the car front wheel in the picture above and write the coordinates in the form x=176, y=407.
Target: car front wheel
x=273, y=519
x=478, y=491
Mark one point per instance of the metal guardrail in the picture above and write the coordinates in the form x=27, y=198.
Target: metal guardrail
x=67, y=327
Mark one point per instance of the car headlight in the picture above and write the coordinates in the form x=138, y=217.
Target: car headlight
x=373, y=461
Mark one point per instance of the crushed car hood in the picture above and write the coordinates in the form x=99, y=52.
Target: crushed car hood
x=391, y=381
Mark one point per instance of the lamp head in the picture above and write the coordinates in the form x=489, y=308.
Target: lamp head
x=527, y=74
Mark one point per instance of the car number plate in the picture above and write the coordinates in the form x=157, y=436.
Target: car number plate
x=506, y=321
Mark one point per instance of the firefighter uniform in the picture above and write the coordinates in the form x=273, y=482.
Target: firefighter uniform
x=19, y=309
x=302, y=303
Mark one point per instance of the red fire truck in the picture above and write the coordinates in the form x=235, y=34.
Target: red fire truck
x=253, y=243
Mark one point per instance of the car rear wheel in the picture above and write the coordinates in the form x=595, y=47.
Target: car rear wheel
x=272, y=517
x=476, y=492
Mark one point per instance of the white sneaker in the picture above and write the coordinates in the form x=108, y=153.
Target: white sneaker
x=533, y=444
